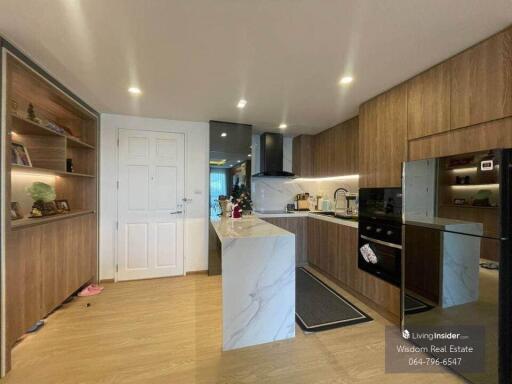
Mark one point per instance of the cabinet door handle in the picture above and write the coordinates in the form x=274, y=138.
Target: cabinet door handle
x=175, y=213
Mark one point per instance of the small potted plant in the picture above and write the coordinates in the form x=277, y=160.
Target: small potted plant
x=44, y=199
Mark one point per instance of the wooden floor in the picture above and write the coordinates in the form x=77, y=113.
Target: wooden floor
x=169, y=331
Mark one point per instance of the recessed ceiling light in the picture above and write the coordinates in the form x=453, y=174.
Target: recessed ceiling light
x=241, y=104
x=223, y=134
x=249, y=155
x=283, y=126
x=239, y=161
x=346, y=80
x=134, y=90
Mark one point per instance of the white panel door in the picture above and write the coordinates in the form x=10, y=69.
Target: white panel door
x=150, y=204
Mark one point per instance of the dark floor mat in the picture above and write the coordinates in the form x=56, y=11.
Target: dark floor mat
x=318, y=307
x=413, y=305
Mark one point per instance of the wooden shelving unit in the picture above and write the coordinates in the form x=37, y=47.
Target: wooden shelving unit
x=29, y=222
x=35, y=170
x=49, y=258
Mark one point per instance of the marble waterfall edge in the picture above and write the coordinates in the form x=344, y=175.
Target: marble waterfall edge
x=258, y=285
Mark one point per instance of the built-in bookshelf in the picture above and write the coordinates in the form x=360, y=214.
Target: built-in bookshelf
x=47, y=258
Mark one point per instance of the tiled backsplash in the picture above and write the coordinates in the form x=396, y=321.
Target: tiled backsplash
x=270, y=194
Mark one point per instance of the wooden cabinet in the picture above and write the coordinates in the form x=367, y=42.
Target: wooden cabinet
x=323, y=245
x=481, y=82
x=333, y=249
x=302, y=157
x=383, y=139
x=428, y=102
x=52, y=261
x=47, y=259
x=297, y=226
x=324, y=153
x=346, y=153
x=332, y=152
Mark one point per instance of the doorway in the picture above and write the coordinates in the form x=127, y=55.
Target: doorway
x=151, y=185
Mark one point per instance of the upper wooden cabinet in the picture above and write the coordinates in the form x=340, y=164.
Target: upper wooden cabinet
x=383, y=139
x=332, y=152
x=346, y=153
x=302, y=158
x=428, y=102
x=324, y=149
x=481, y=82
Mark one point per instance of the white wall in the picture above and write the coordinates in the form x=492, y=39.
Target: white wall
x=196, y=186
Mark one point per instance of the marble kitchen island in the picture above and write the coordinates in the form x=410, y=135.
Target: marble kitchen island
x=258, y=281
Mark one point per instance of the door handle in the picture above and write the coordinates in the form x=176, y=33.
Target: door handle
x=175, y=213
x=385, y=243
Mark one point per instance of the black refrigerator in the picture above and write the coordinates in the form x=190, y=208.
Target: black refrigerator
x=456, y=259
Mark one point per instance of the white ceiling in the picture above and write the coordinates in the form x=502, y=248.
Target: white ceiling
x=195, y=59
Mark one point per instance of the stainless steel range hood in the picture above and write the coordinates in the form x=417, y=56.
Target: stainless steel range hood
x=271, y=156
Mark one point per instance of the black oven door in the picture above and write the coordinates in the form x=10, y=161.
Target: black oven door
x=380, y=258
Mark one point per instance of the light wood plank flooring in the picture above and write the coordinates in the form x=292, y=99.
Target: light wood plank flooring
x=169, y=331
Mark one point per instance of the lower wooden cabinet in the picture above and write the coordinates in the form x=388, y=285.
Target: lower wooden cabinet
x=333, y=249
x=45, y=264
x=297, y=226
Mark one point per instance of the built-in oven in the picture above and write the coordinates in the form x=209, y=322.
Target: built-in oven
x=380, y=233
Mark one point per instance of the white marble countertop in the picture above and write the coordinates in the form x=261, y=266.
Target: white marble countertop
x=335, y=220
x=247, y=226
x=445, y=224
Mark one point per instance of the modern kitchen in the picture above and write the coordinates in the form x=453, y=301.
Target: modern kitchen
x=405, y=206
x=260, y=192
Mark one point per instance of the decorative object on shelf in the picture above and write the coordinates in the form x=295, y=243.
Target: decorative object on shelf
x=31, y=115
x=482, y=198
x=43, y=196
x=14, y=107
x=459, y=201
x=19, y=155
x=69, y=165
x=15, y=211
x=462, y=180
x=241, y=194
x=62, y=206
x=460, y=161
x=237, y=210
x=54, y=127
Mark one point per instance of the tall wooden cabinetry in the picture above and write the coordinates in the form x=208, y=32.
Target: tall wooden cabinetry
x=465, y=103
x=428, y=102
x=383, y=139
x=48, y=258
x=481, y=79
x=332, y=152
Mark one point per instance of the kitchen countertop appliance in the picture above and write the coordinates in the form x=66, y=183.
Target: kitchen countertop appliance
x=345, y=204
x=457, y=257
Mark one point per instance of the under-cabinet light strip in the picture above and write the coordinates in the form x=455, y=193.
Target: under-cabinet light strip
x=474, y=186
x=331, y=178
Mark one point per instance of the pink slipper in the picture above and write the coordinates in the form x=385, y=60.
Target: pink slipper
x=95, y=286
x=90, y=290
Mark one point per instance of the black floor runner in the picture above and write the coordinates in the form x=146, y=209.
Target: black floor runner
x=318, y=307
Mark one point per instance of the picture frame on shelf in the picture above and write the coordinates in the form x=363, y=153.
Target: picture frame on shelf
x=20, y=155
x=15, y=211
x=62, y=206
